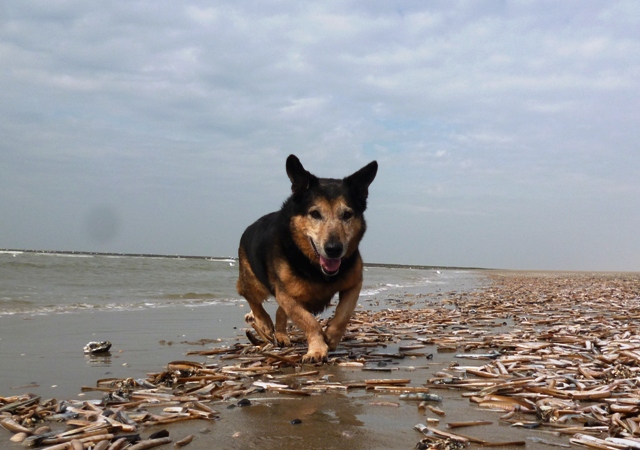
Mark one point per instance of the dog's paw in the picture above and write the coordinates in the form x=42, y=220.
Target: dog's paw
x=249, y=317
x=332, y=338
x=283, y=340
x=316, y=354
x=332, y=343
x=311, y=358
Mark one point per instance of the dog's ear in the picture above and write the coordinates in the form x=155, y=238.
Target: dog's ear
x=301, y=179
x=359, y=182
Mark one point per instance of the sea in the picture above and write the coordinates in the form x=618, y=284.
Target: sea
x=44, y=283
x=152, y=309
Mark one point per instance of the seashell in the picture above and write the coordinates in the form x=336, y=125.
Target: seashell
x=95, y=347
x=184, y=441
x=421, y=396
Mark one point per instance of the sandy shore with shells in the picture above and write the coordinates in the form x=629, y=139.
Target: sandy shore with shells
x=535, y=359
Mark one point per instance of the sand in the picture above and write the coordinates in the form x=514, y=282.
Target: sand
x=355, y=419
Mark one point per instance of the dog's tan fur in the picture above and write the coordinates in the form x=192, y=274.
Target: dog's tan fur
x=325, y=221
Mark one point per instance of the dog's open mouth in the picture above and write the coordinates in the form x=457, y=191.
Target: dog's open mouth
x=329, y=266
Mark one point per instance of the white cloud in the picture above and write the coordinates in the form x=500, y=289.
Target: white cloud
x=304, y=107
x=474, y=106
x=203, y=15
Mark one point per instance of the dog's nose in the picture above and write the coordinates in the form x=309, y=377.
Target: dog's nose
x=333, y=249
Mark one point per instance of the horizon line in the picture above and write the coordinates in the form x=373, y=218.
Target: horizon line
x=235, y=258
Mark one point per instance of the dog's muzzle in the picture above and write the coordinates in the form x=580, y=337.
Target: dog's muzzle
x=329, y=266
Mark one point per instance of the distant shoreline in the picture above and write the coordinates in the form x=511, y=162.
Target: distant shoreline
x=153, y=255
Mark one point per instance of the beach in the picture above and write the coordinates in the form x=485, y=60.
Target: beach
x=152, y=310
x=448, y=337
x=149, y=308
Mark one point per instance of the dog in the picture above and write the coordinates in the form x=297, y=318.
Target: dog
x=304, y=254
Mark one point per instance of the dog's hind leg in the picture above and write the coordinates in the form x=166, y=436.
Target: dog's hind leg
x=255, y=293
x=282, y=338
x=259, y=318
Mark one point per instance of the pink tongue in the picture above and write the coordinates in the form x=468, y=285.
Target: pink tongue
x=330, y=264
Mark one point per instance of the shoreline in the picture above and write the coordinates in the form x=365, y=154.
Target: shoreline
x=44, y=350
x=522, y=344
x=43, y=353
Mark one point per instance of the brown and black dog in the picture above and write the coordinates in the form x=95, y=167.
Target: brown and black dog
x=303, y=254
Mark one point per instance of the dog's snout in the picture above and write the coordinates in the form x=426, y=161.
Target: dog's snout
x=333, y=249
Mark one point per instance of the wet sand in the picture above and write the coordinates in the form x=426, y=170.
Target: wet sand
x=464, y=323
x=47, y=350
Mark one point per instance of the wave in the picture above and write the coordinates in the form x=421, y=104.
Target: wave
x=19, y=263
x=379, y=288
x=368, y=292
x=189, y=296
x=73, y=253
x=44, y=310
x=68, y=255
x=12, y=303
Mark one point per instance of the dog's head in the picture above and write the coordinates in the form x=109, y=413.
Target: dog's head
x=327, y=220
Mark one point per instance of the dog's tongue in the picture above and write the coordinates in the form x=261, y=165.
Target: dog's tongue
x=330, y=265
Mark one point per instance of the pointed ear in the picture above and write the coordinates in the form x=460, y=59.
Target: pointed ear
x=361, y=180
x=300, y=178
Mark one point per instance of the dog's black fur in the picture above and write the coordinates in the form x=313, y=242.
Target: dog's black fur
x=305, y=253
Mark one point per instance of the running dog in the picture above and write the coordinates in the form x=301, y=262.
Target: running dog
x=304, y=254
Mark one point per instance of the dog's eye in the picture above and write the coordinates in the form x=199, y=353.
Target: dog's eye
x=315, y=214
x=347, y=215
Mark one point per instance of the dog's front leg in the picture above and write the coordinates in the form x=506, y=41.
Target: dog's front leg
x=318, y=349
x=337, y=326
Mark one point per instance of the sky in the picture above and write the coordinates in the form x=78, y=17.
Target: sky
x=507, y=132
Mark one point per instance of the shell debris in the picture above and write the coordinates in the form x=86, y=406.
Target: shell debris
x=549, y=352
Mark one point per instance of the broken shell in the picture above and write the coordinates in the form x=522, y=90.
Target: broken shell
x=94, y=347
x=423, y=396
x=184, y=441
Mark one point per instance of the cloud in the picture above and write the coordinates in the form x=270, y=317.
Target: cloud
x=185, y=112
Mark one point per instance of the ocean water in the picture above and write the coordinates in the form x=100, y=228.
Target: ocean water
x=34, y=283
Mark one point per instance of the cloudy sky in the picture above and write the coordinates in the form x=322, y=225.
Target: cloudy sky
x=507, y=132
